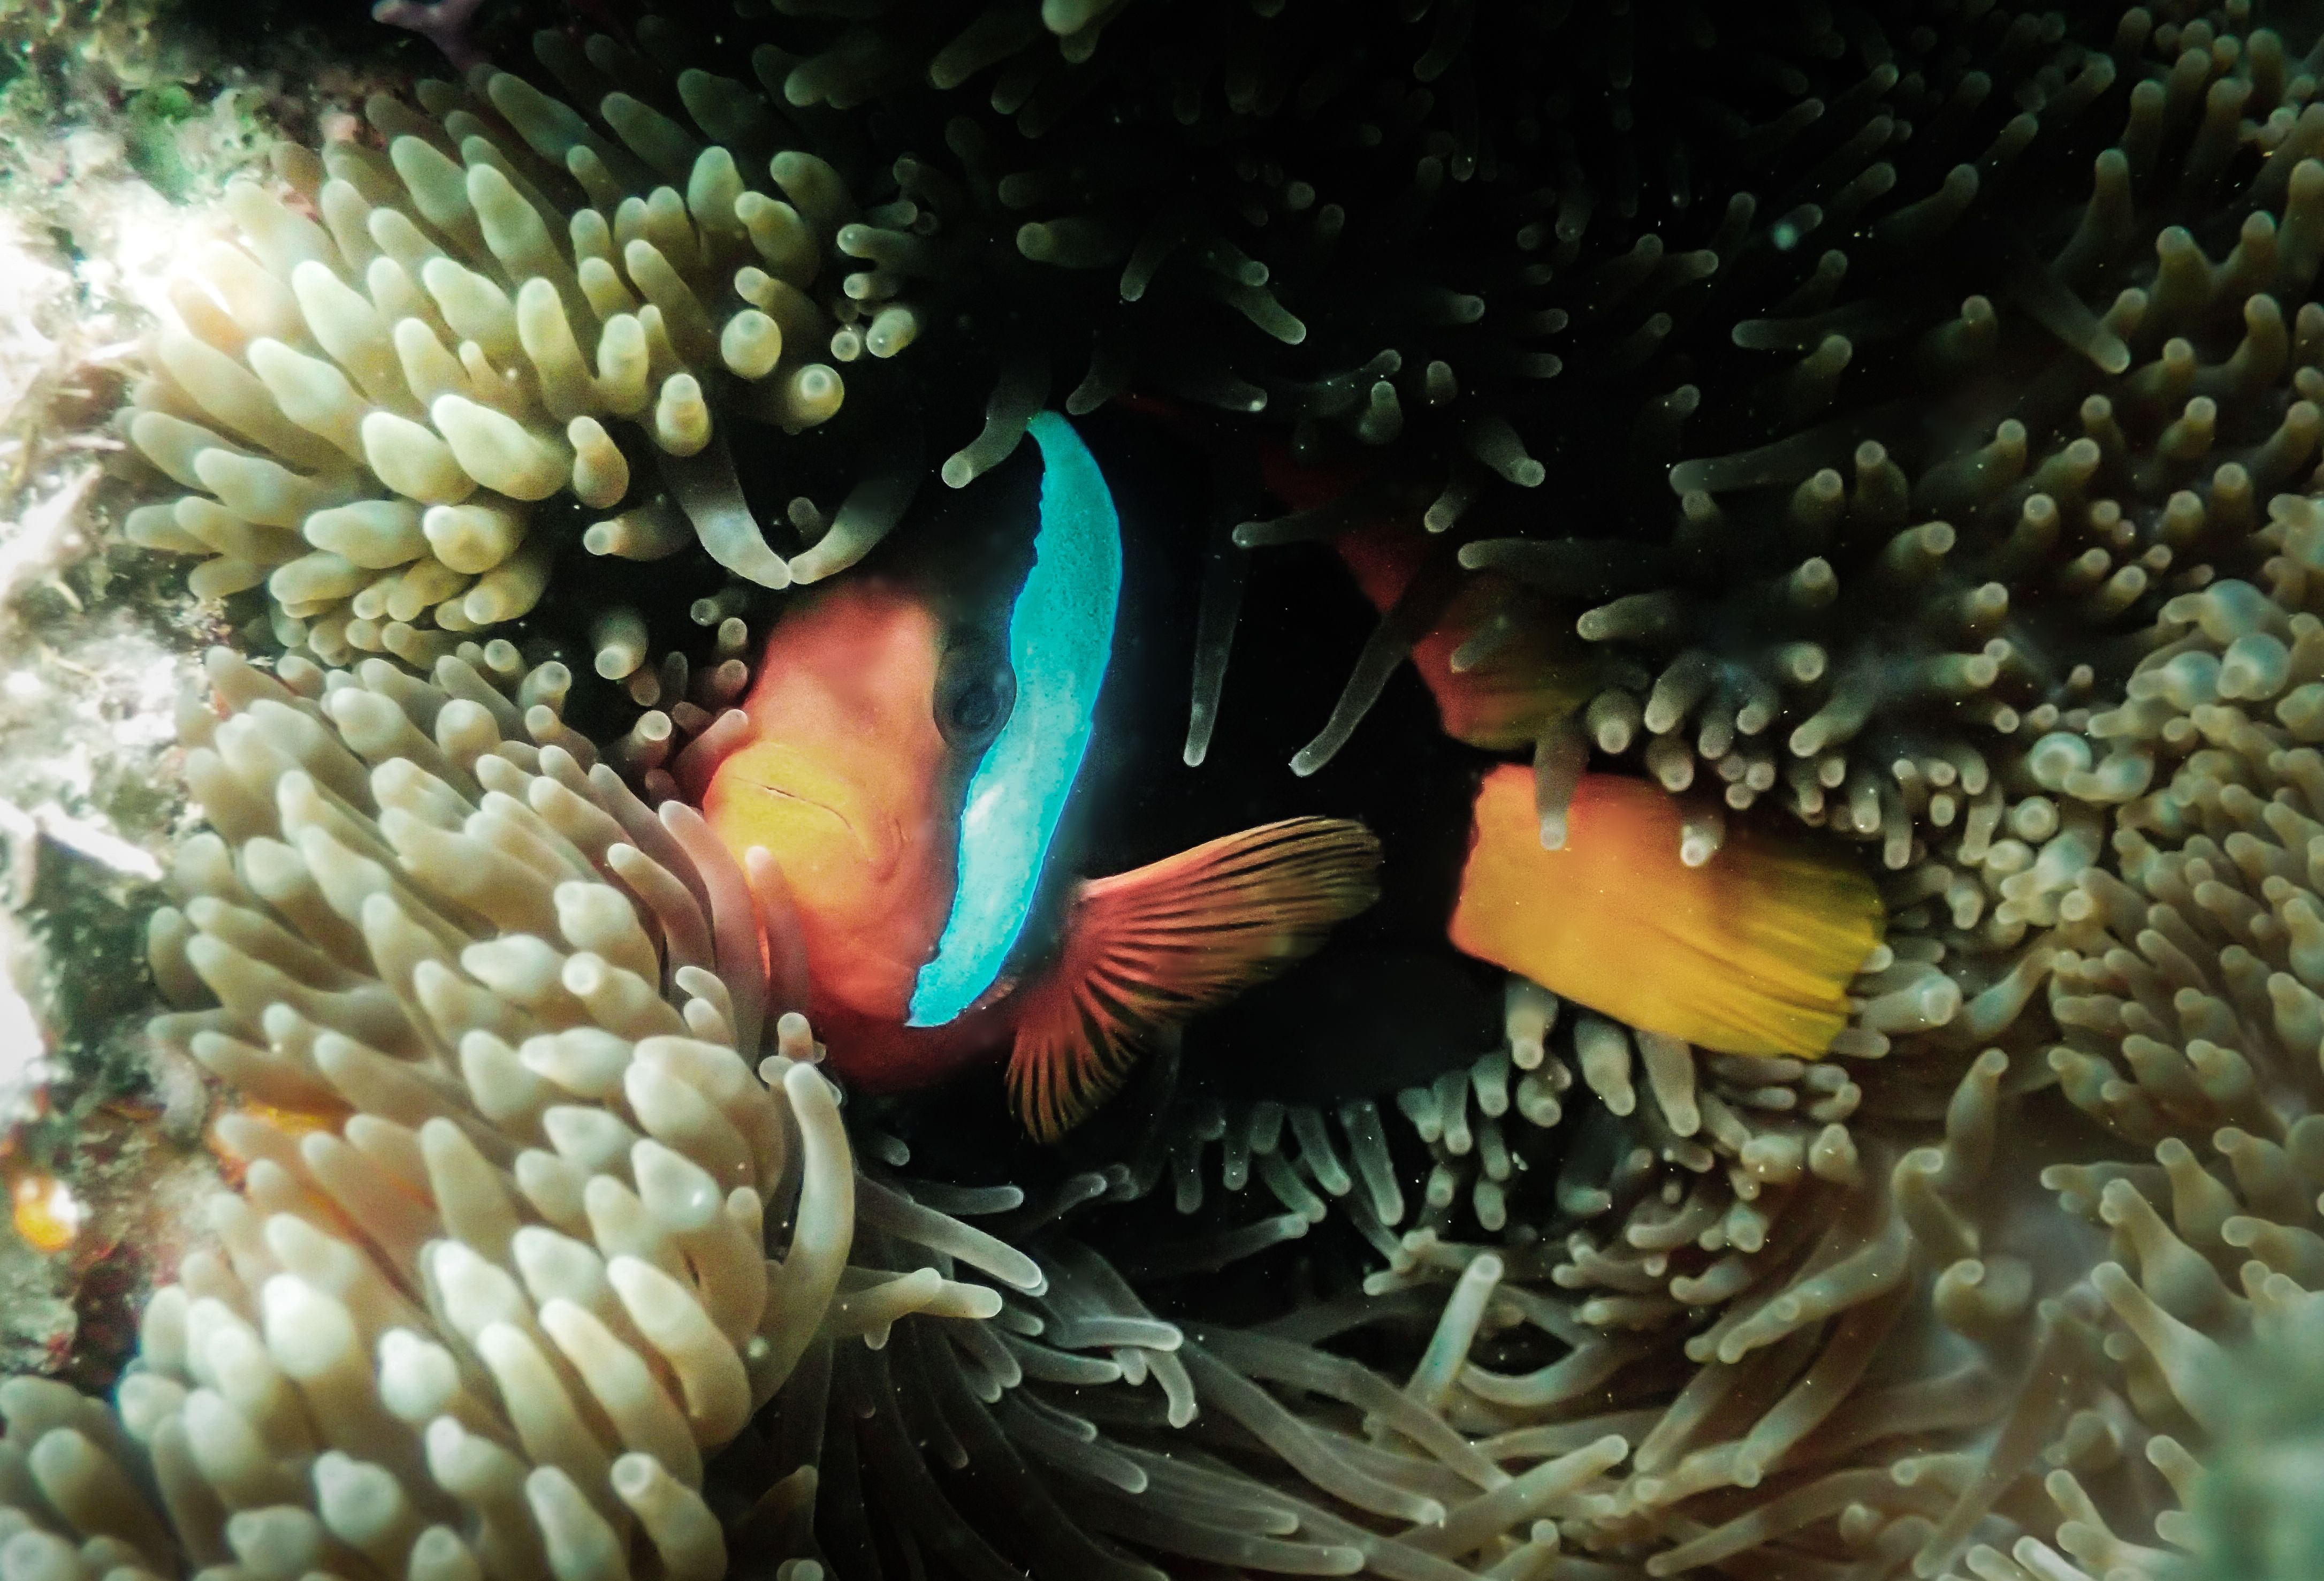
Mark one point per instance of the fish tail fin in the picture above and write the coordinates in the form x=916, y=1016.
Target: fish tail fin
x=1750, y=953
x=1154, y=946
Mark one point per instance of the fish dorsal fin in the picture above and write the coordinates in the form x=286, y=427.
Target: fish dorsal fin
x=1060, y=639
x=1154, y=946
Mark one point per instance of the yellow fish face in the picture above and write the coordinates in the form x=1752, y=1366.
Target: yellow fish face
x=847, y=782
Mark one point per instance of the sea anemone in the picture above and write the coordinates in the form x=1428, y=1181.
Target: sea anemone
x=1722, y=1271
x=1931, y=488
x=2006, y=568
x=376, y=536
x=496, y=1285
x=524, y=299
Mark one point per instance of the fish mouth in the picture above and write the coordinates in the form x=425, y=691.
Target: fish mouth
x=820, y=806
x=788, y=798
x=796, y=792
x=851, y=858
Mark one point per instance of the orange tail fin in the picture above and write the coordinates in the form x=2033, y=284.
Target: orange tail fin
x=1749, y=954
x=1154, y=946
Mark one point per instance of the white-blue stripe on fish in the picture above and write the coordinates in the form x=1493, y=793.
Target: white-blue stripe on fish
x=1060, y=637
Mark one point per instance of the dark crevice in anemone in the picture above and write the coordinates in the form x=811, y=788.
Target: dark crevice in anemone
x=867, y=515
x=1232, y=494
x=708, y=491
x=1415, y=613
x=842, y=1527
x=1225, y=573
x=1779, y=461
x=996, y=1472
x=1592, y=568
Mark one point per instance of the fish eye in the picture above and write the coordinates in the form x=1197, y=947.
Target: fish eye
x=975, y=691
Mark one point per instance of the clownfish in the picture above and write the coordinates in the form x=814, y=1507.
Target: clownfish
x=951, y=757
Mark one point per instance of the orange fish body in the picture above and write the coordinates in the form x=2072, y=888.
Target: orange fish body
x=907, y=768
x=848, y=780
x=861, y=778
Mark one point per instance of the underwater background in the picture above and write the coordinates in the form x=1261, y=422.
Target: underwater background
x=1792, y=526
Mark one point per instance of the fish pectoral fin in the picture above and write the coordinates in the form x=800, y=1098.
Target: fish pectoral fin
x=1152, y=947
x=1751, y=952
